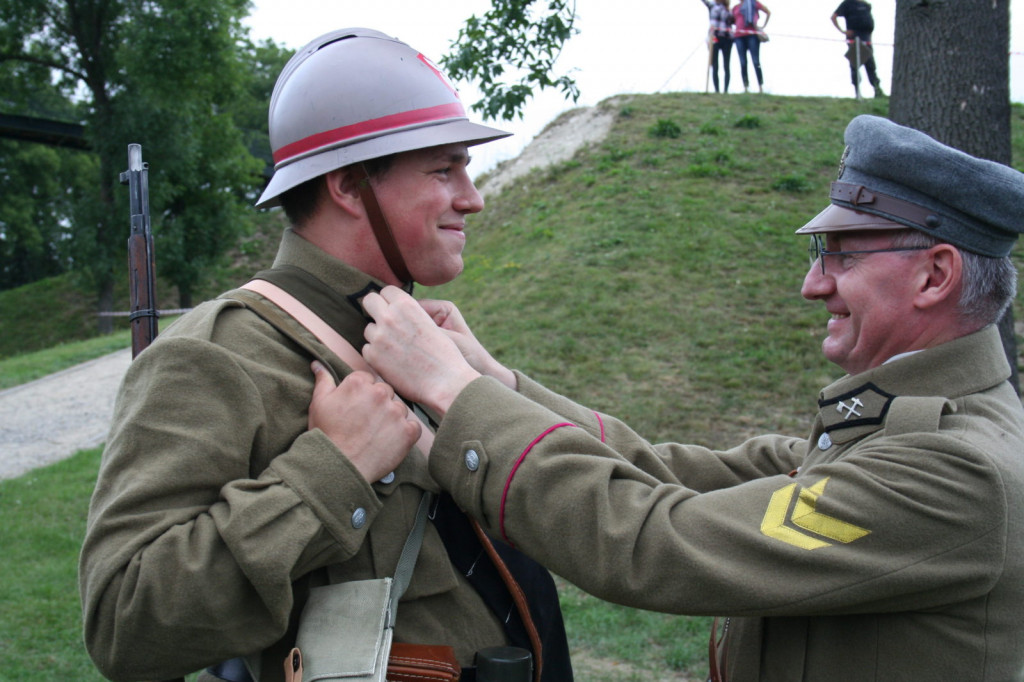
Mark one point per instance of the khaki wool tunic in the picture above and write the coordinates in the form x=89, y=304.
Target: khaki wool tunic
x=216, y=510
x=887, y=546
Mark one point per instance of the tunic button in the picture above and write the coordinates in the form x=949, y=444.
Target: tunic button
x=388, y=479
x=824, y=442
x=472, y=460
x=359, y=518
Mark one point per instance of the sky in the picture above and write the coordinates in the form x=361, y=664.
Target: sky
x=641, y=46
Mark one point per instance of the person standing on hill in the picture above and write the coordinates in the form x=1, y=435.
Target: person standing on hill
x=720, y=35
x=860, y=24
x=747, y=37
x=887, y=545
x=250, y=462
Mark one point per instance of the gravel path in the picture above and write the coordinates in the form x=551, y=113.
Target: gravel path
x=54, y=417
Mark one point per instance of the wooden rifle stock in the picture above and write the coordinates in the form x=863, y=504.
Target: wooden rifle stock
x=141, y=259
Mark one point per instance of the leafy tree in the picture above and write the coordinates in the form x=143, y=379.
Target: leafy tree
x=163, y=73
x=38, y=181
x=954, y=86
x=511, y=34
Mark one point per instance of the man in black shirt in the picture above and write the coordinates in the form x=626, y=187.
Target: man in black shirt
x=859, y=25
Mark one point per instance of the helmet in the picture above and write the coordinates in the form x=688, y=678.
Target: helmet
x=356, y=94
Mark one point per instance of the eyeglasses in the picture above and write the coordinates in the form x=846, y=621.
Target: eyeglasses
x=817, y=251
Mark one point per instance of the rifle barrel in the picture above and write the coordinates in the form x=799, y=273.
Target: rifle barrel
x=141, y=257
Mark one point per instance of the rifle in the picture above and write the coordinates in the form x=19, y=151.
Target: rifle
x=141, y=259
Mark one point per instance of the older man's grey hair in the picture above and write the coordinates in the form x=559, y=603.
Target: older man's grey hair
x=989, y=283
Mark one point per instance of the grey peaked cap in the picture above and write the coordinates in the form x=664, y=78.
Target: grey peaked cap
x=972, y=203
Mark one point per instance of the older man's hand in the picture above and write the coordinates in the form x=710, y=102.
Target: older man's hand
x=412, y=353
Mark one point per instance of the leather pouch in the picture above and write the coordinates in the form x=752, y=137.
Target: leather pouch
x=422, y=663
x=407, y=663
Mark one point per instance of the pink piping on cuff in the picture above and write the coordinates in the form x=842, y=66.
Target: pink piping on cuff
x=600, y=423
x=511, y=475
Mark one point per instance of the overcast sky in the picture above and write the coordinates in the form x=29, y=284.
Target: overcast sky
x=642, y=46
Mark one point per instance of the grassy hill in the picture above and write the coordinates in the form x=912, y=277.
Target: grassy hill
x=654, y=276
x=657, y=277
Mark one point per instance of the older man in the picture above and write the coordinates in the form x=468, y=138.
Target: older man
x=887, y=545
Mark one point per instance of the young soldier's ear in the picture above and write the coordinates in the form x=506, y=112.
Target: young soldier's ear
x=343, y=191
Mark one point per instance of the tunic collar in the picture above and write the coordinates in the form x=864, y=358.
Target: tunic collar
x=856, y=405
x=330, y=287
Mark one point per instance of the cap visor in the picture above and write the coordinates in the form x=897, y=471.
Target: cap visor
x=838, y=218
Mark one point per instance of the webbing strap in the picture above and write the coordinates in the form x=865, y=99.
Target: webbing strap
x=411, y=550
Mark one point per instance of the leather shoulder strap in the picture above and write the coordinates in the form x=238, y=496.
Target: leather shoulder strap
x=311, y=321
x=330, y=338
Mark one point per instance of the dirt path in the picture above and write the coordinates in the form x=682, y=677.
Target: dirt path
x=52, y=418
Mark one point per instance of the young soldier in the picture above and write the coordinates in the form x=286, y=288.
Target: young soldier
x=222, y=500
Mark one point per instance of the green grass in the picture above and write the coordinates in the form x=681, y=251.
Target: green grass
x=654, y=276
x=42, y=523
x=20, y=369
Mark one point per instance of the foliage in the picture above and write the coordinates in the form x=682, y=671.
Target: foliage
x=39, y=182
x=665, y=128
x=168, y=75
x=509, y=34
x=39, y=185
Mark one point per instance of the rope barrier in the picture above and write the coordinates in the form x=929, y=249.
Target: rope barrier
x=703, y=44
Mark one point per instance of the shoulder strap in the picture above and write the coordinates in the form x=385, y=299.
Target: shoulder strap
x=327, y=335
x=311, y=321
x=915, y=414
x=411, y=550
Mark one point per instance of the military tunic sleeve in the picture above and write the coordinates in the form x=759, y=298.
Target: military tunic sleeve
x=841, y=537
x=195, y=486
x=698, y=468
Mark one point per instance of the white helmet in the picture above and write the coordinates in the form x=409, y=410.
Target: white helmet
x=356, y=94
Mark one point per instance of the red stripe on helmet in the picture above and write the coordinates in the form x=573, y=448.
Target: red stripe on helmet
x=376, y=125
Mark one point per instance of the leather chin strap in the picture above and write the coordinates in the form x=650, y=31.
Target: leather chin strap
x=381, y=229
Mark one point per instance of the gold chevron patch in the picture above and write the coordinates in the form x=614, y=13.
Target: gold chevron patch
x=805, y=516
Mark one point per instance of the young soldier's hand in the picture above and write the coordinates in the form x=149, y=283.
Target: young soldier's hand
x=364, y=419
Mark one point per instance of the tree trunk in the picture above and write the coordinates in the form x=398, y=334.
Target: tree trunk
x=105, y=303
x=184, y=296
x=951, y=80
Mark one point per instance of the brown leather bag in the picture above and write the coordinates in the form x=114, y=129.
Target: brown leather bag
x=422, y=663
x=407, y=663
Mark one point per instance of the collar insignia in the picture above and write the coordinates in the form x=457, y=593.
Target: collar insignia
x=866, y=405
